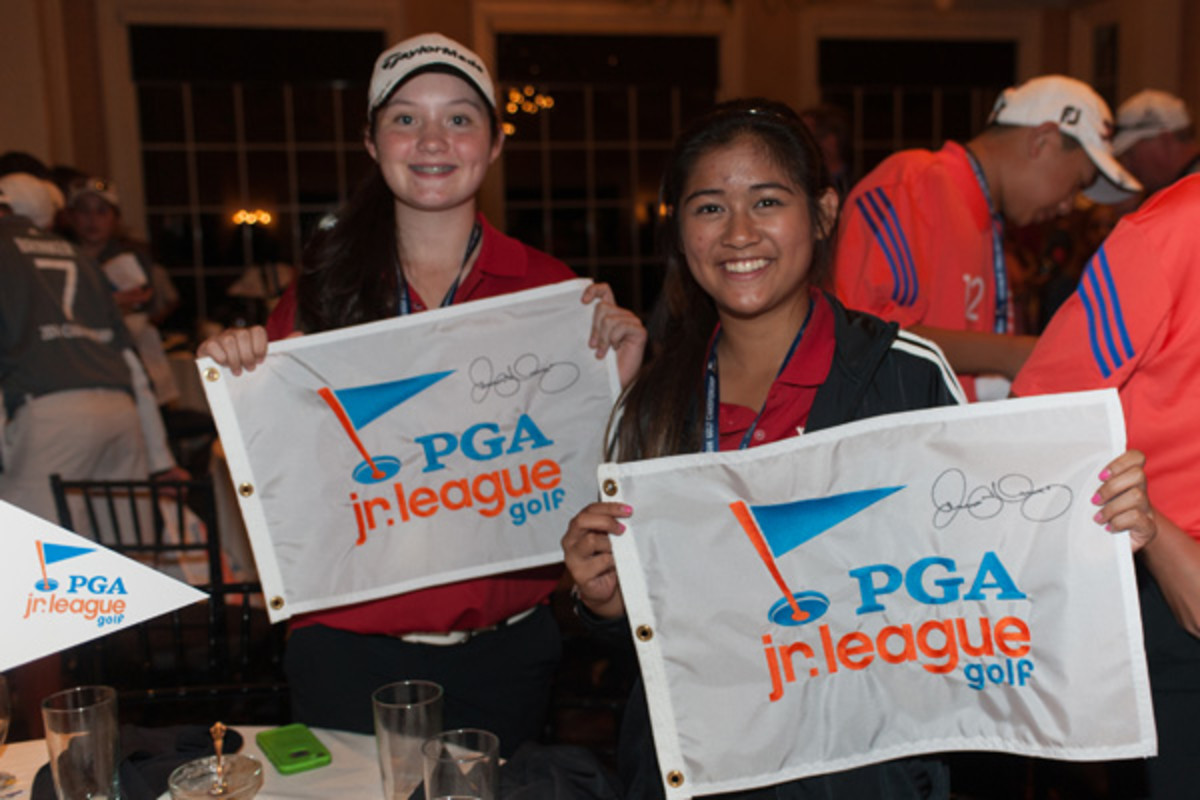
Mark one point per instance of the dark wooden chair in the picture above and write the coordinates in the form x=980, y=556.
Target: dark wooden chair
x=216, y=659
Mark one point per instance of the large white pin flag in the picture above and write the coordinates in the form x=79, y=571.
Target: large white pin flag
x=58, y=589
x=911, y=583
x=416, y=451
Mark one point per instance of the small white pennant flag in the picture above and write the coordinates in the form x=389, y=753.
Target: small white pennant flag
x=58, y=589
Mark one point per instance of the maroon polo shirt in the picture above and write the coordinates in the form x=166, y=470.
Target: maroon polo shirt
x=791, y=395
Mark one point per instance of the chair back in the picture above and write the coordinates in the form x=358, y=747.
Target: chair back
x=219, y=658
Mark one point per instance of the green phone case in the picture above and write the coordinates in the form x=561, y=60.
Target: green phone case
x=293, y=748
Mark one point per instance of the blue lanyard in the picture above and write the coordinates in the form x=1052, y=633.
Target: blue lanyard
x=406, y=298
x=712, y=389
x=1000, y=322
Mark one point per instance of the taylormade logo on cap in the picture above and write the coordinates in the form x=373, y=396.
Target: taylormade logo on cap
x=1079, y=112
x=395, y=64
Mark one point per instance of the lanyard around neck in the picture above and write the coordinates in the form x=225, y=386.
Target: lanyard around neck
x=1000, y=321
x=448, y=299
x=712, y=389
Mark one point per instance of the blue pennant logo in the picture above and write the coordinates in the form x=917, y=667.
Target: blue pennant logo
x=359, y=406
x=779, y=528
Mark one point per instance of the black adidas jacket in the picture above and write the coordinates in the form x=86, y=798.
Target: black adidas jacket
x=877, y=369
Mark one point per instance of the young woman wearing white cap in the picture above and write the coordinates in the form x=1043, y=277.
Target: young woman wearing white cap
x=409, y=239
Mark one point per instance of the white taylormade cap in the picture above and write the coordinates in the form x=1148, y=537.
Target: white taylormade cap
x=426, y=50
x=1148, y=113
x=1080, y=113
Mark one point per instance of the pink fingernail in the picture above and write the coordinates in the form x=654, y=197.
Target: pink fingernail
x=1099, y=517
x=1106, y=474
x=1097, y=500
x=627, y=509
x=620, y=527
x=1109, y=528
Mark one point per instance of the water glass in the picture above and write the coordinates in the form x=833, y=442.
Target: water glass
x=81, y=737
x=462, y=764
x=406, y=714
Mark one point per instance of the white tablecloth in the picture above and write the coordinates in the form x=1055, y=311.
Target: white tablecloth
x=353, y=772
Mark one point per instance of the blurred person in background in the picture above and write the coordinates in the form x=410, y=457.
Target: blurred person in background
x=921, y=240
x=76, y=398
x=830, y=126
x=93, y=216
x=1156, y=139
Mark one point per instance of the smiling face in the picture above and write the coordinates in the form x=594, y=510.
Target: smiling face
x=746, y=231
x=432, y=140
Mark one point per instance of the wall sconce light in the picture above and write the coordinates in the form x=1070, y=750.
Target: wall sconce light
x=255, y=217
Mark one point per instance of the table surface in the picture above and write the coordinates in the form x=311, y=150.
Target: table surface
x=353, y=772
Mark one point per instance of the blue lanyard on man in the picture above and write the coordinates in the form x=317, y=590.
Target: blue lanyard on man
x=448, y=299
x=1000, y=323
x=712, y=389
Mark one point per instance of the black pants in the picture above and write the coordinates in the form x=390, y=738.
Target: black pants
x=1173, y=658
x=499, y=681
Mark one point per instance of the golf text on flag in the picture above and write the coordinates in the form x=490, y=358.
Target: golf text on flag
x=58, y=590
x=911, y=583
x=418, y=450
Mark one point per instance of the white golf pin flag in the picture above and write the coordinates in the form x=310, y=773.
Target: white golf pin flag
x=58, y=590
x=416, y=451
x=912, y=583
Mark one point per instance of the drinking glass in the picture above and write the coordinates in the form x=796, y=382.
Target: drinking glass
x=406, y=714
x=463, y=764
x=81, y=737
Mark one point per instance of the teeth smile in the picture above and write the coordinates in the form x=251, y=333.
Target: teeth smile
x=438, y=169
x=749, y=265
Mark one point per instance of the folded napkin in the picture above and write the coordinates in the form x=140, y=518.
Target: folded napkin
x=148, y=757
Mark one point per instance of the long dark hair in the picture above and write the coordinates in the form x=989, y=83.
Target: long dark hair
x=349, y=272
x=660, y=413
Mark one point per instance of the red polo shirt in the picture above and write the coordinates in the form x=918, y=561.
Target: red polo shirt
x=1133, y=325
x=915, y=245
x=790, y=397
x=504, y=265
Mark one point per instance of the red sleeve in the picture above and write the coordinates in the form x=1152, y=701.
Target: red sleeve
x=282, y=321
x=880, y=264
x=1100, y=336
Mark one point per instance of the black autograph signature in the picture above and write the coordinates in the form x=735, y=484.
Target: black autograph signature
x=1036, y=503
x=551, y=378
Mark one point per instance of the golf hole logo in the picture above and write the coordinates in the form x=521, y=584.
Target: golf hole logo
x=95, y=598
x=777, y=529
x=358, y=406
x=524, y=490
x=938, y=645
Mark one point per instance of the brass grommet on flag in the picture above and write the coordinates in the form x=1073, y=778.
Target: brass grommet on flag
x=644, y=633
x=610, y=487
x=246, y=489
x=212, y=374
x=276, y=602
x=675, y=779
